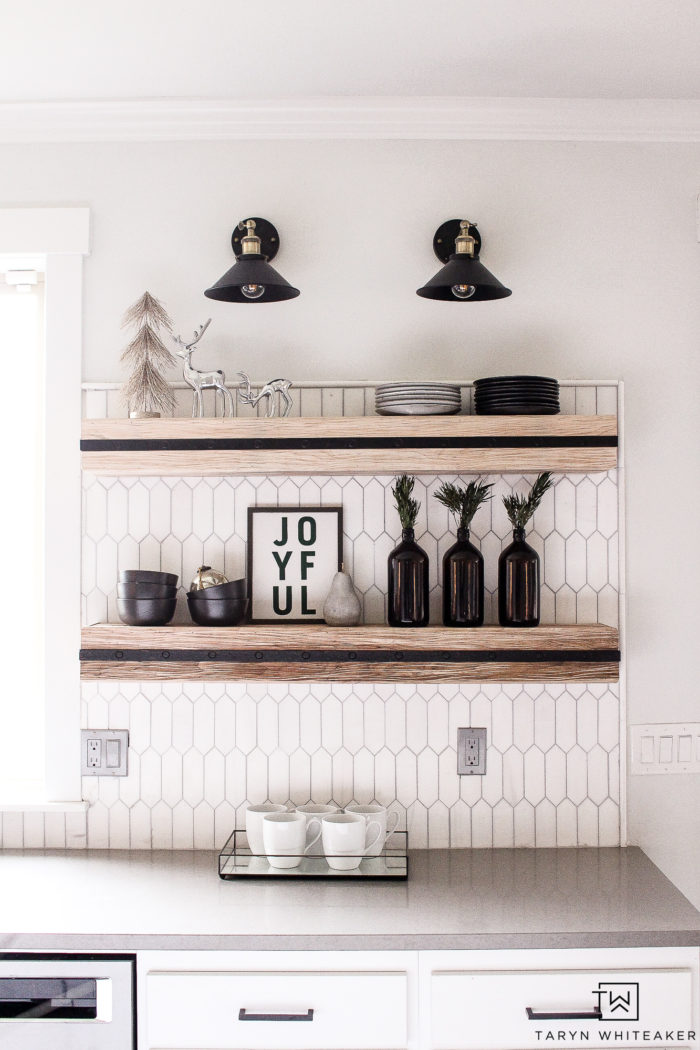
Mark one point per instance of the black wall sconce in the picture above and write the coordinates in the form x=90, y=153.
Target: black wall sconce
x=251, y=279
x=463, y=278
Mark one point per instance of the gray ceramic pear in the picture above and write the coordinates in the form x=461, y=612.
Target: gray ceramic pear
x=342, y=607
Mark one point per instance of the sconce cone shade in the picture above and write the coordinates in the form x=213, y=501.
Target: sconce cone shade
x=463, y=278
x=461, y=270
x=252, y=271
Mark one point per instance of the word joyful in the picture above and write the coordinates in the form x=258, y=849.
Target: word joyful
x=286, y=561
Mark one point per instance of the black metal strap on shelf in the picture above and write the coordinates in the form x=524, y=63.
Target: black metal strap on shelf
x=365, y=656
x=327, y=443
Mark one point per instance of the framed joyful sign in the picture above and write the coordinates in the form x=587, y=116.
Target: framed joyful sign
x=293, y=554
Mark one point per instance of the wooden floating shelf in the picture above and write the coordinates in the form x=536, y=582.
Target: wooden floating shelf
x=350, y=445
x=576, y=652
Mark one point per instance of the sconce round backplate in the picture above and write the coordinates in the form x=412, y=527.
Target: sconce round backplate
x=445, y=236
x=267, y=233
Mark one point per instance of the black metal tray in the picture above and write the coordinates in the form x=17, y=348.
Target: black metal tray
x=236, y=861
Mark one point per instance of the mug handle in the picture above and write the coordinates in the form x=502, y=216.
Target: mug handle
x=396, y=824
x=375, y=840
x=316, y=837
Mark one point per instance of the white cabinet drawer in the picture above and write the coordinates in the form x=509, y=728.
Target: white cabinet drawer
x=351, y=1011
x=489, y=1010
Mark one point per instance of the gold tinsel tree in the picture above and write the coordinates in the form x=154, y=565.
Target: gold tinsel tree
x=146, y=389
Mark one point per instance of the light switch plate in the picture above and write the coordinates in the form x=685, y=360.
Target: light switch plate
x=665, y=747
x=471, y=752
x=104, y=752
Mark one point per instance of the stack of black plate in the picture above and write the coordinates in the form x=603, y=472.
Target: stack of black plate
x=516, y=396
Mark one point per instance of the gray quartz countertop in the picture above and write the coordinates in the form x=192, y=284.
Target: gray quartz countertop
x=521, y=898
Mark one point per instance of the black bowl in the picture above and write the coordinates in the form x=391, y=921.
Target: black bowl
x=143, y=590
x=147, y=576
x=146, y=612
x=233, y=589
x=222, y=612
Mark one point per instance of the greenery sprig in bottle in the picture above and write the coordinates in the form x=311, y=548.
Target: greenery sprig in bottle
x=521, y=508
x=463, y=503
x=519, y=564
x=463, y=563
x=408, y=589
x=406, y=505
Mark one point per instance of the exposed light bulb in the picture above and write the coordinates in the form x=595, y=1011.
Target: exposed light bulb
x=253, y=291
x=463, y=291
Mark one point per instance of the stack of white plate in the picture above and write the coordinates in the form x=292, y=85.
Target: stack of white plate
x=417, y=399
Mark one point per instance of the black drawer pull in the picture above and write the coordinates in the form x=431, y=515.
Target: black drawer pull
x=577, y=1015
x=243, y=1015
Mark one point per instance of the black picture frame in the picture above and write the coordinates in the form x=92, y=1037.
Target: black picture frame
x=253, y=566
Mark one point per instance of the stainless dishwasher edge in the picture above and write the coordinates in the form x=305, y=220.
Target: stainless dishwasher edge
x=67, y=1000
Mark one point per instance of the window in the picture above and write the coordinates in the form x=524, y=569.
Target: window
x=22, y=534
x=40, y=426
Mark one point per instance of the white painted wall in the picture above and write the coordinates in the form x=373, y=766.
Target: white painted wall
x=597, y=241
x=235, y=49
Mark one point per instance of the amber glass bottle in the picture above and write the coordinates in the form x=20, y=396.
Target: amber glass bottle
x=519, y=584
x=408, y=584
x=463, y=584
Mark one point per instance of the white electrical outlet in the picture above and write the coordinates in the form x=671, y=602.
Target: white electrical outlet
x=94, y=753
x=104, y=752
x=471, y=751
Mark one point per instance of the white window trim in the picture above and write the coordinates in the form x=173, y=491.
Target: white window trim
x=62, y=236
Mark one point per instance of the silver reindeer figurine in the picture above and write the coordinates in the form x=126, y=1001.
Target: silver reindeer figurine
x=275, y=386
x=199, y=381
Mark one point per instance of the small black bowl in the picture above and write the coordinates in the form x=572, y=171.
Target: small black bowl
x=233, y=589
x=146, y=612
x=142, y=590
x=222, y=612
x=147, y=576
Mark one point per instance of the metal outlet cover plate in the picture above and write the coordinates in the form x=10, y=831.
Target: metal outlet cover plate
x=104, y=752
x=471, y=752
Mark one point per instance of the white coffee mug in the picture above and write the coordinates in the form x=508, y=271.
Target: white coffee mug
x=285, y=838
x=345, y=838
x=314, y=811
x=386, y=820
x=253, y=824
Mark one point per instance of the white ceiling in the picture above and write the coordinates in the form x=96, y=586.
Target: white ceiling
x=257, y=49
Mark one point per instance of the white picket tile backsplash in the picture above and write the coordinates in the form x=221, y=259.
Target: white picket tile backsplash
x=200, y=753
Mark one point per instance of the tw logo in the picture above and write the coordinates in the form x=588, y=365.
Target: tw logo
x=617, y=1000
